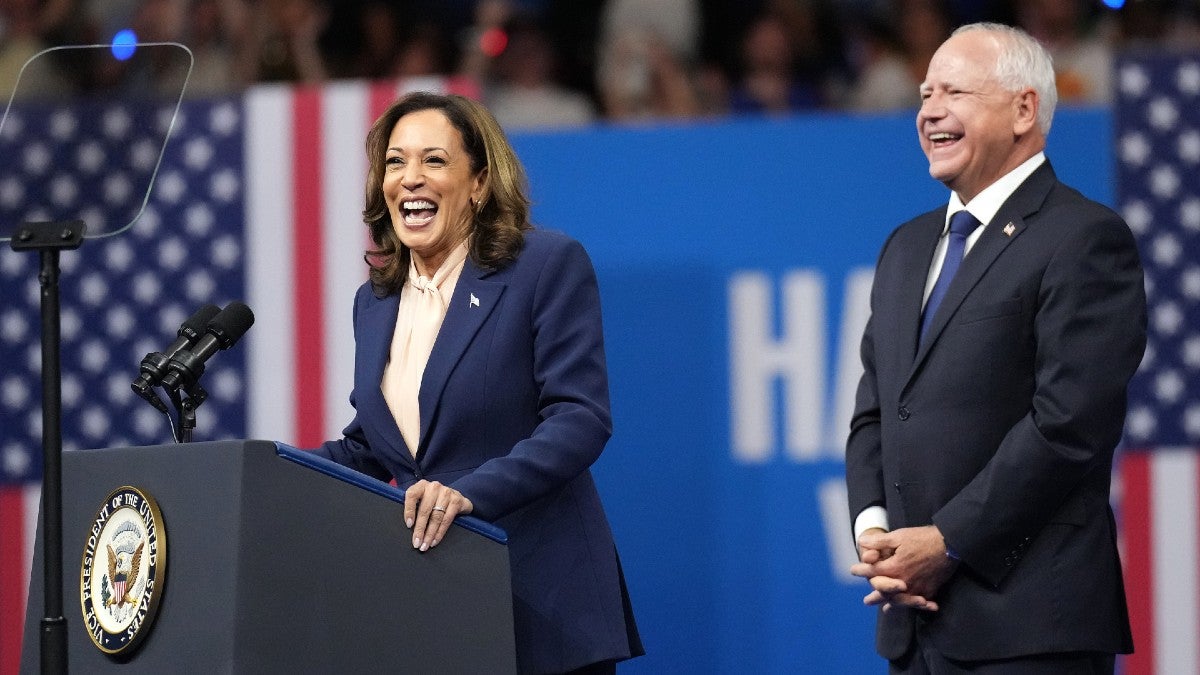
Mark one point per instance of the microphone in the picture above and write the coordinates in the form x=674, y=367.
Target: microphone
x=154, y=365
x=187, y=365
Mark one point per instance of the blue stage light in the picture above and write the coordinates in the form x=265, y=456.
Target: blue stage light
x=123, y=44
x=1114, y=4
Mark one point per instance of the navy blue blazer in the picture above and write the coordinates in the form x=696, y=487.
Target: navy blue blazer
x=514, y=410
x=1000, y=426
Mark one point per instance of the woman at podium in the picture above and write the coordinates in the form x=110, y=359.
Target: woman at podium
x=480, y=382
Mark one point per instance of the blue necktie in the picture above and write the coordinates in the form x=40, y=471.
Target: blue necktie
x=962, y=224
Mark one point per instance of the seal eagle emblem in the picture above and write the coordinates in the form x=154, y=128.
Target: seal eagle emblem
x=123, y=573
x=122, y=576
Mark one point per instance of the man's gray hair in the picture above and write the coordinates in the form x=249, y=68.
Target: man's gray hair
x=1023, y=63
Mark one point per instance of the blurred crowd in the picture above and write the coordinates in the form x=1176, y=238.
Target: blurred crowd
x=548, y=63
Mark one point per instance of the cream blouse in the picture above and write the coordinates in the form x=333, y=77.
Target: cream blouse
x=423, y=305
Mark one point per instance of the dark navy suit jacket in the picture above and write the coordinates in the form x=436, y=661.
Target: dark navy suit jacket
x=514, y=410
x=1000, y=426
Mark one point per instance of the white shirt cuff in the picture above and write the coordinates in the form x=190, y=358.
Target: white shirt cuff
x=872, y=516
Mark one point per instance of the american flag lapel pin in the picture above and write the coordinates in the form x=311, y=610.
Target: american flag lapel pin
x=1009, y=229
x=474, y=300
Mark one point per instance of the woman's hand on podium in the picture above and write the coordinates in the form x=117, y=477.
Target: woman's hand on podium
x=429, y=508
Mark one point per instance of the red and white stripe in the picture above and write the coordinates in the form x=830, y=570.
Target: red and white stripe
x=18, y=529
x=305, y=174
x=1160, y=532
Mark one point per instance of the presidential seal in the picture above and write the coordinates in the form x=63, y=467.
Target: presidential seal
x=124, y=564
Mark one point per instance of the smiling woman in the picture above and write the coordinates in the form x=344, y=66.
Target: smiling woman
x=423, y=145
x=480, y=382
x=430, y=187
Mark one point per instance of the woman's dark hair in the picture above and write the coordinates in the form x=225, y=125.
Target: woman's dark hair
x=501, y=216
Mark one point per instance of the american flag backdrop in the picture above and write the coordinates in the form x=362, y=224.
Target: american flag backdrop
x=1157, y=133
x=258, y=198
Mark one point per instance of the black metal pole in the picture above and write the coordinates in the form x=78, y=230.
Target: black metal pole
x=54, y=625
x=49, y=238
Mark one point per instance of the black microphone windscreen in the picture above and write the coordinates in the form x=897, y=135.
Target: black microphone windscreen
x=231, y=323
x=196, y=323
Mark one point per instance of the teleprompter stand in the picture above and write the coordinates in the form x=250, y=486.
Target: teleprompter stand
x=49, y=238
x=62, y=230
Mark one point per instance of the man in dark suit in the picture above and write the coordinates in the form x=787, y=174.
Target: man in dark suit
x=996, y=361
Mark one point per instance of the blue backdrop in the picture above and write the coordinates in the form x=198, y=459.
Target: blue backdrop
x=733, y=259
